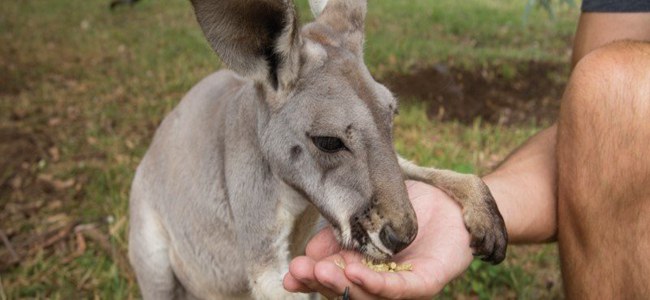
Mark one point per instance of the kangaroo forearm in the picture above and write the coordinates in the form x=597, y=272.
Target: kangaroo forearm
x=524, y=187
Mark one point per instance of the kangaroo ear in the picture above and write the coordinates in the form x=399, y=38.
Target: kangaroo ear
x=258, y=39
x=345, y=17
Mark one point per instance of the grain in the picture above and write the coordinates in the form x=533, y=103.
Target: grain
x=387, y=267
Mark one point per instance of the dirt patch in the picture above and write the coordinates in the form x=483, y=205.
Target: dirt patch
x=10, y=84
x=531, y=93
x=16, y=75
x=20, y=151
x=33, y=203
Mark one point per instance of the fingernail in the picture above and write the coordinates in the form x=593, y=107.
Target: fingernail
x=356, y=281
x=328, y=284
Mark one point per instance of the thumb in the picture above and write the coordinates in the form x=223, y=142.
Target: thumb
x=322, y=245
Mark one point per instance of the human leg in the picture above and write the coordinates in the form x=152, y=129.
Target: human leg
x=603, y=154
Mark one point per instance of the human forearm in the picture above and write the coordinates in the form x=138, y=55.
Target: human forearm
x=524, y=187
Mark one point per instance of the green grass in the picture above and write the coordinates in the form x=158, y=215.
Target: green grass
x=110, y=77
x=406, y=34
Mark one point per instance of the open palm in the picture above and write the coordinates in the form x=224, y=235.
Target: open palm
x=439, y=253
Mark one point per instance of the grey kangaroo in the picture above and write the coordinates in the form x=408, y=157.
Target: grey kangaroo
x=239, y=172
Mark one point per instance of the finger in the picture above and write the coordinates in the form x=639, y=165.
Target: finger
x=302, y=269
x=293, y=285
x=322, y=245
x=333, y=278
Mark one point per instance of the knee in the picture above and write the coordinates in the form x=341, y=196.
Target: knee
x=618, y=60
x=610, y=81
x=603, y=124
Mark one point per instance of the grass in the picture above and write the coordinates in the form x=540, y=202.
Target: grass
x=94, y=84
x=406, y=34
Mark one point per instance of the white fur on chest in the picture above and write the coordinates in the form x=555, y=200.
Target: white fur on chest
x=268, y=285
x=290, y=206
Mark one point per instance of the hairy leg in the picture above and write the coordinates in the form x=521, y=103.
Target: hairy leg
x=604, y=174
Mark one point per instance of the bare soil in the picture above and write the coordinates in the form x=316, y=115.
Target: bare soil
x=531, y=93
x=32, y=203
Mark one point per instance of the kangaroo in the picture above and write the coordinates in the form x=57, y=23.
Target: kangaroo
x=239, y=172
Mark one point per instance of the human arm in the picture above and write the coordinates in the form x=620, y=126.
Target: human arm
x=525, y=184
x=525, y=188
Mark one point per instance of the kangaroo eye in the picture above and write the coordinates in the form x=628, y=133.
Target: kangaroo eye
x=328, y=144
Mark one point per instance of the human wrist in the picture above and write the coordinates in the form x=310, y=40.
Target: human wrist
x=528, y=210
x=503, y=198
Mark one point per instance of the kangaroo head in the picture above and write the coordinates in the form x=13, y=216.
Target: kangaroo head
x=325, y=125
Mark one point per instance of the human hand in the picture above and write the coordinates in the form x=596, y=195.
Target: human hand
x=439, y=253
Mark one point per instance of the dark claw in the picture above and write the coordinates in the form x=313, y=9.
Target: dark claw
x=491, y=244
x=476, y=242
x=346, y=293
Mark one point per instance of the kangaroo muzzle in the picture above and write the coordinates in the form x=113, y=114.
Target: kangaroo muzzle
x=384, y=229
x=394, y=241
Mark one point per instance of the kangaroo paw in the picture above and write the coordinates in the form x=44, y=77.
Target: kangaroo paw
x=485, y=224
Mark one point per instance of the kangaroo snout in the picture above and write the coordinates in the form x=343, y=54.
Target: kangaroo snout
x=394, y=241
x=385, y=228
x=400, y=227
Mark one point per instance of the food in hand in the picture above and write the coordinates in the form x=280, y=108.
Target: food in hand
x=380, y=266
x=387, y=266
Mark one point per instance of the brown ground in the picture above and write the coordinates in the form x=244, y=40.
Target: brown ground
x=32, y=203
x=531, y=95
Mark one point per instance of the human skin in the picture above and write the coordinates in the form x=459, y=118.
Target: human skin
x=599, y=226
x=604, y=175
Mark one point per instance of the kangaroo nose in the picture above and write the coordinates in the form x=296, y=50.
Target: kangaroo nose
x=391, y=240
